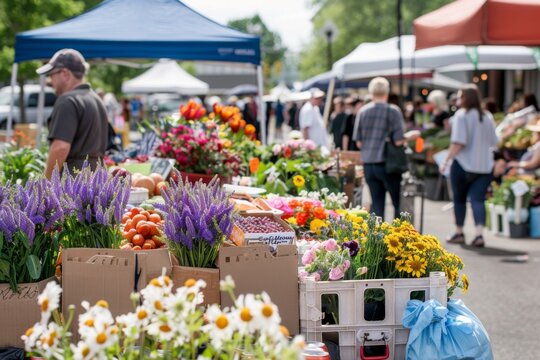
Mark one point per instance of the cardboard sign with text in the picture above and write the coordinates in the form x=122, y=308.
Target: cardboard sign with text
x=255, y=269
x=108, y=274
x=211, y=276
x=285, y=237
x=19, y=311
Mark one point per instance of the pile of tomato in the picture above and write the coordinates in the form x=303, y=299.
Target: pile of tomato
x=141, y=229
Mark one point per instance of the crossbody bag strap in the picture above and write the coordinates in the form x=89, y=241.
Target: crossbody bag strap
x=388, y=127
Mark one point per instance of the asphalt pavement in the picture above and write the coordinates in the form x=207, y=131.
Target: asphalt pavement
x=504, y=280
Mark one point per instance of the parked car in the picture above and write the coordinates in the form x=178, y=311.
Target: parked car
x=31, y=94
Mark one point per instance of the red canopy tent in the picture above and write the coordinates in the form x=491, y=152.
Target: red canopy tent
x=480, y=22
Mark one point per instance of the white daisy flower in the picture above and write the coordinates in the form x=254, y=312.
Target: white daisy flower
x=162, y=330
x=227, y=284
x=81, y=351
x=244, y=314
x=220, y=326
x=49, y=341
x=49, y=300
x=31, y=336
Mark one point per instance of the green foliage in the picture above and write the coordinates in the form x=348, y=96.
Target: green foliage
x=357, y=22
x=273, y=51
x=19, y=166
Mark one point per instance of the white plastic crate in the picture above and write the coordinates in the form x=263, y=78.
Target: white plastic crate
x=351, y=320
x=500, y=225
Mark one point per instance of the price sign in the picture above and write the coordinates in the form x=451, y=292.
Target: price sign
x=162, y=166
x=520, y=188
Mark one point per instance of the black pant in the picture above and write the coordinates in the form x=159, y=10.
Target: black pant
x=379, y=183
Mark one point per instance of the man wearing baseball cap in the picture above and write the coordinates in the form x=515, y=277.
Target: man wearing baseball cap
x=311, y=121
x=78, y=126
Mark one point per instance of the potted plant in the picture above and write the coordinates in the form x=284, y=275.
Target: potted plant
x=29, y=249
x=194, y=142
x=93, y=202
x=198, y=218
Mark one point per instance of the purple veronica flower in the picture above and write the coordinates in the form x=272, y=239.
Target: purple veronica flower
x=93, y=196
x=14, y=220
x=196, y=212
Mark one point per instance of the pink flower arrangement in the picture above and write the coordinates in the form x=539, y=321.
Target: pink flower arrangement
x=326, y=261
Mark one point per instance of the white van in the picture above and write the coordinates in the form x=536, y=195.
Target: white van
x=31, y=93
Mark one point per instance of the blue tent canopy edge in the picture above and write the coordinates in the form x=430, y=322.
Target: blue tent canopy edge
x=149, y=29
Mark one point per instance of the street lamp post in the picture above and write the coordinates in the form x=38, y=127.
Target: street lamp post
x=329, y=31
x=328, y=34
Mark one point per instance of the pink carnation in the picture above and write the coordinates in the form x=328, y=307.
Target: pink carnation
x=276, y=149
x=302, y=274
x=346, y=265
x=364, y=270
x=310, y=145
x=336, y=273
x=308, y=257
x=316, y=276
x=330, y=245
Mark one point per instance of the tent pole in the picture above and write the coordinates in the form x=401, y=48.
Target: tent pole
x=328, y=104
x=262, y=113
x=9, y=124
x=40, y=110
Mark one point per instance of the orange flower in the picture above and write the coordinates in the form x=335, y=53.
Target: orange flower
x=287, y=152
x=249, y=130
x=242, y=123
x=319, y=213
x=302, y=218
x=307, y=206
x=227, y=143
x=254, y=165
x=294, y=203
x=235, y=125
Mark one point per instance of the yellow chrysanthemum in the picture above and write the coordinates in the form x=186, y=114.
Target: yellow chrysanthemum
x=292, y=220
x=316, y=225
x=465, y=282
x=418, y=246
x=416, y=266
x=298, y=181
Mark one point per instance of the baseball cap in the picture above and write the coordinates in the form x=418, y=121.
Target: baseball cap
x=65, y=59
x=316, y=93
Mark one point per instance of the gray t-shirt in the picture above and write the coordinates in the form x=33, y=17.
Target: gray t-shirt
x=479, y=139
x=79, y=118
x=374, y=124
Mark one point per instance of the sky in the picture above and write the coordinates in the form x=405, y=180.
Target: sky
x=290, y=18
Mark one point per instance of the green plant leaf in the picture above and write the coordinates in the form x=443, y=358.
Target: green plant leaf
x=4, y=270
x=34, y=266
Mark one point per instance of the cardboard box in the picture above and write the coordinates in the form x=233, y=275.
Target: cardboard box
x=211, y=276
x=255, y=269
x=286, y=237
x=108, y=274
x=19, y=311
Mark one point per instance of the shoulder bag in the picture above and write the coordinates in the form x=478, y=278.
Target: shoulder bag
x=395, y=159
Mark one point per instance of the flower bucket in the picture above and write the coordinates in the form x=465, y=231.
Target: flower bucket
x=193, y=178
x=211, y=276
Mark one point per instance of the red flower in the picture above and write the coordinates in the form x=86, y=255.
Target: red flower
x=319, y=213
x=302, y=218
x=287, y=152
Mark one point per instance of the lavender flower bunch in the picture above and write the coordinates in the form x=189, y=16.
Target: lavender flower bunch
x=93, y=201
x=23, y=257
x=38, y=200
x=14, y=220
x=198, y=218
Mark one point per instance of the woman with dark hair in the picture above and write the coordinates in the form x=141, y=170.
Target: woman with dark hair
x=530, y=99
x=472, y=141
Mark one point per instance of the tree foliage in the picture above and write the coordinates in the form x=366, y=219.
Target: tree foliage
x=357, y=22
x=272, y=47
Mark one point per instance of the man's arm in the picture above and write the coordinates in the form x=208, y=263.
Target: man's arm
x=305, y=132
x=58, y=153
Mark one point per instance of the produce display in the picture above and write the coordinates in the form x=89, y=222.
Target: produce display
x=141, y=229
x=259, y=224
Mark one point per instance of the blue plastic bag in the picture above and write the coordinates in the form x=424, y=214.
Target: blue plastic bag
x=440, y=333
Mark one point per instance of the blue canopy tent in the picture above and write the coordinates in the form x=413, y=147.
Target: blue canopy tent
x=149, y=29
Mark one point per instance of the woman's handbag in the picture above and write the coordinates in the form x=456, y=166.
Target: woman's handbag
x=395, y=159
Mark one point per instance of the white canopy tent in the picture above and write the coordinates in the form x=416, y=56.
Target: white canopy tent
x=382, y=59
x=166, y=76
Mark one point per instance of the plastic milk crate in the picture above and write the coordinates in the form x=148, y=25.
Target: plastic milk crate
x=355, y=334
